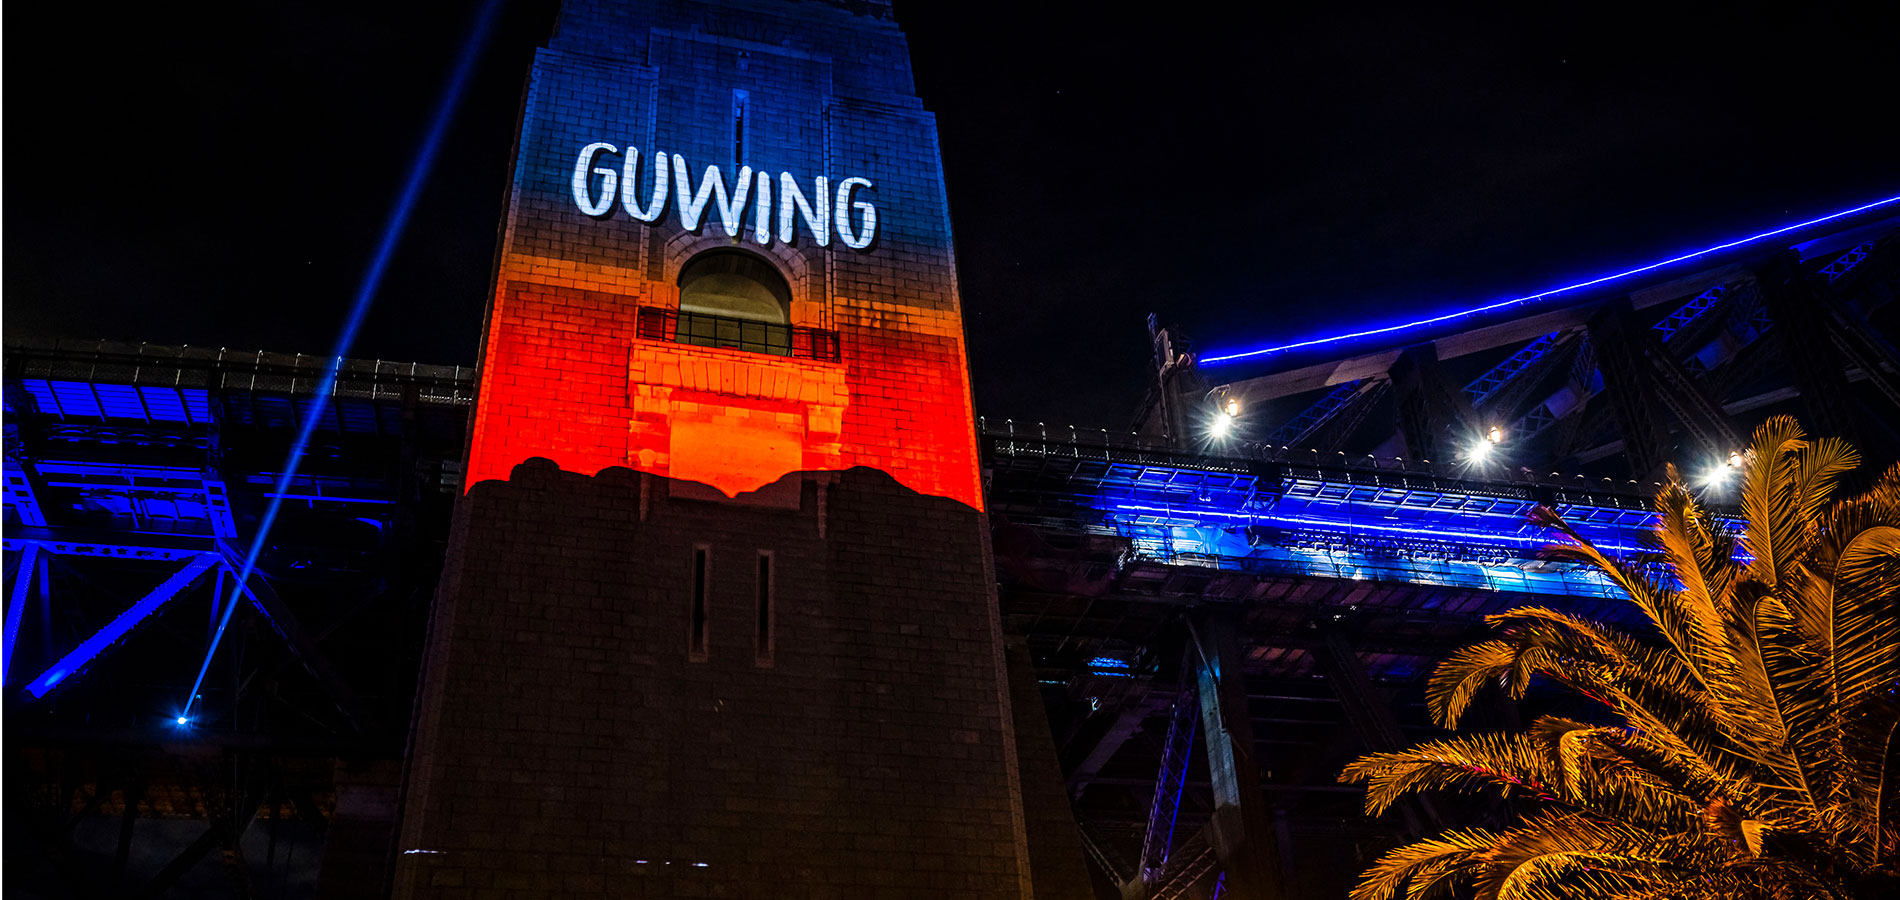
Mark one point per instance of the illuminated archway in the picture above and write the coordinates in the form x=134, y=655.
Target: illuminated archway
x=734, y=284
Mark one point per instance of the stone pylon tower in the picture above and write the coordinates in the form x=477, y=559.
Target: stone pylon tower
x=718, y=618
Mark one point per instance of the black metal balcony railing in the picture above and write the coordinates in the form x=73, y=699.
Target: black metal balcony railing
x=702, y=330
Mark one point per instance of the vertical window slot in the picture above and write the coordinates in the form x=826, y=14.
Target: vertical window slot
x=702, y=561
x=764, y=624
x=739, y=99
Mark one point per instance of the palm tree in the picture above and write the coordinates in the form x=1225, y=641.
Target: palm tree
x=1747, y=743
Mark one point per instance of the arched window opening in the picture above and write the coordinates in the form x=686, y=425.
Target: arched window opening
x=730, y=298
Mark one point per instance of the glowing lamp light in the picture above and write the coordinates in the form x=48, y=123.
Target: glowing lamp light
x=181, y=720
x=1480, y=450
x=1222, y=423
x=1718, y=475
x=1232, y=408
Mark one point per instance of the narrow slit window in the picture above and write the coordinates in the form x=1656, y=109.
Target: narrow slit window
x=702, y=560
x=739, y=99
x=763, y=634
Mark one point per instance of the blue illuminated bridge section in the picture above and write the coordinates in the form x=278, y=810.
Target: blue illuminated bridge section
x=135, y=473
x=1796, y=234
x=1280, y=512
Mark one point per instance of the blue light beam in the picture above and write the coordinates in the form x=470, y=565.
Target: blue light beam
x=1532, y=298
x=372, y=278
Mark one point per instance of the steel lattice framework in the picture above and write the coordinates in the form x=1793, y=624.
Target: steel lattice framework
x=1216, y=625
x=133, y=471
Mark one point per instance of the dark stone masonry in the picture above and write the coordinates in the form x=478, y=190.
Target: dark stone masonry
x=572, y=744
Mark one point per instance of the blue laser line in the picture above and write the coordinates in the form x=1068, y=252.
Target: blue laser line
x=372, y=278
x=1389, y=329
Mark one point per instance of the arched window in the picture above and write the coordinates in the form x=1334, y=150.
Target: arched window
x=731, y=298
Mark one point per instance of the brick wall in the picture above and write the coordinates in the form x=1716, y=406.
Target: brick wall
x=570, y=738
x=828, y=94
x=570, y=744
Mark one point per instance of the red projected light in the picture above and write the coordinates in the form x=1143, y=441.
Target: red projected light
x=568, y=375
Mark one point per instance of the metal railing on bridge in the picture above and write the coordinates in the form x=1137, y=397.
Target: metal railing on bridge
x=1240, y=455
x=1277, y=512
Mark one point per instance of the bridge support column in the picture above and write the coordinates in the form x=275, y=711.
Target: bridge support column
x=1428, y=406
x=1128, y=720
x=1328, y=436
x=1701, y=417
x=1370, y=713
x=1055, y=845
x=1626, y=377
x=1242, y=828
x=1801, y=325
x=1178, y=383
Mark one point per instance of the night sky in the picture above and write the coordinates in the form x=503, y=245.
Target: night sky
x=177, y=174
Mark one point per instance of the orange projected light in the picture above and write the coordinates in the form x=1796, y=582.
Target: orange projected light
x=718, y=305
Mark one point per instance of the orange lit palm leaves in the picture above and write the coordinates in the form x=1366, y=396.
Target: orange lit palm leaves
x=1755, y=754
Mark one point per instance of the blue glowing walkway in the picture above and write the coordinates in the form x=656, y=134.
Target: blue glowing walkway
x=1296, y=515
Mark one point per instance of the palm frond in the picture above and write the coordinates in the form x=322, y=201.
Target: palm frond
x=1754, y=749
x=1651, y=690
x=1768, y=499
x=1431, y=860
x=1559, y=856
x=1864, y=657
x=1513, y=764
x=1575, y=874
x=1458, y=679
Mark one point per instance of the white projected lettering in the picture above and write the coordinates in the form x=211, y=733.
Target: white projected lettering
x=843, y=214
x=845, y=209
x=818, y=221
x=628, y=179
x=581, y=179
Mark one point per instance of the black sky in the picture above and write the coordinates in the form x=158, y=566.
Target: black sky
x=182, y=174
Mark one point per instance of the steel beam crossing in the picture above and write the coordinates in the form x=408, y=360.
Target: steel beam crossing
x=1287, y=555
x=1296, y=429
x=88, y=650
x=1241, y=834
x=1652, y=382
x=1484, y=386
x=1170, y=781
x=131, y=470
x=23, y=576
